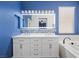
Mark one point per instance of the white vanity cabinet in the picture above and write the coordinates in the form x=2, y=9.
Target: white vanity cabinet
x=35, y=47
x=21, y=47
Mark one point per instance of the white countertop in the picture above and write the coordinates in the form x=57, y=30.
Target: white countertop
x=36, y=35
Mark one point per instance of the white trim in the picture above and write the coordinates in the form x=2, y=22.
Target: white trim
x=67, y=6
x=54, y=19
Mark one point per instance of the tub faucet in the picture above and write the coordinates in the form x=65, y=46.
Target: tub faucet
x=65, y=39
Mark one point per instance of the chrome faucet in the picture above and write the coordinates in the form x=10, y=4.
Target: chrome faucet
x=65, y=39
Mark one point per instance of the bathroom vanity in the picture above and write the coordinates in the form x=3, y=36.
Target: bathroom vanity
x=35, y=45
x=38, y=38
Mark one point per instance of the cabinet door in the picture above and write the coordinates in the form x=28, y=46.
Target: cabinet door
x=20, y=47
x=66, y=19
x=50, y=48
x=27, y=47
x=53, y=47
x=45, y=50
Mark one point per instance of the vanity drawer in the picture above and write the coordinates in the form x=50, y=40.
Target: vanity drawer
x=35, y=41
x=35, y=52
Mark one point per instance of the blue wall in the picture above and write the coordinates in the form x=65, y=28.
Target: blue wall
x=53, y=5
x=77, y=16
x=8, y=26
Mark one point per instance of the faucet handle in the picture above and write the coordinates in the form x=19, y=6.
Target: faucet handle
x=72, y=43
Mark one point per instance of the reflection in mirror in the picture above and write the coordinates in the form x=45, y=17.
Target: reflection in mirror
x=42, y=22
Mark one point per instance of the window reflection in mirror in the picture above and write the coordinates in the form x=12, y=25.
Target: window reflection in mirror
x=42, y=22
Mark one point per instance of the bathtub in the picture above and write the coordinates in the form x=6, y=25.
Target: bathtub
x=69, y=51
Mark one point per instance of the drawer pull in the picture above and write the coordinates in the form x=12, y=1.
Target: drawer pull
x=35, y=49
x=21, y=40
x=35, y=53
x=21, y=46
x=50, y=46
x=35, y=40
x=36, y=45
